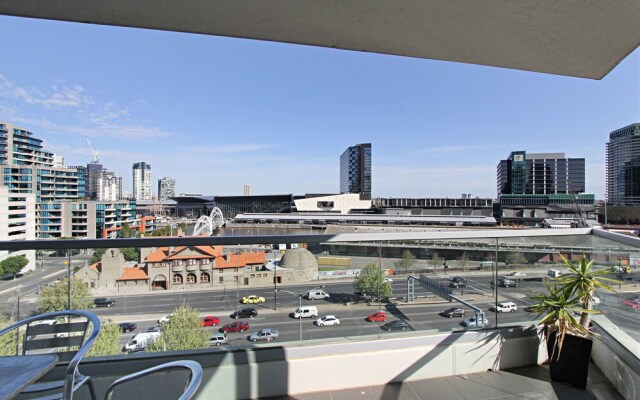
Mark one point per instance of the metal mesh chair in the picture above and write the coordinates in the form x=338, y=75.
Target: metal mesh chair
x=191, y=386
x=69, y=334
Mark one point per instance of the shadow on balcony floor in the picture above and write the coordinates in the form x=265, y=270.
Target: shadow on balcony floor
x=516, y=384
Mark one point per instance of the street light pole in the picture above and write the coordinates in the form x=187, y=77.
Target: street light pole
x=69, y=279
x=300, y=315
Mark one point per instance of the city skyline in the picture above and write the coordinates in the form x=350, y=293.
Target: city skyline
x=218, y=113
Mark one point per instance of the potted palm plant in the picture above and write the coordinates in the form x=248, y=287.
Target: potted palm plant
x=569, y=339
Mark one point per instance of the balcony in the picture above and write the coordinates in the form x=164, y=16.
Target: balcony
x=424, y=357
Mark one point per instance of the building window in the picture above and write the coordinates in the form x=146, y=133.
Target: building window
x=235, y=279
x=205, y=261
x=220, y=270
x=192, y=261
x=221, y=279
x=204, y=277
x=191, y=278
x=177, y=279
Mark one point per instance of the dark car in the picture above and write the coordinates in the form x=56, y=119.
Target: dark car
x=127, y=327
x=396, y=325
x=235, y=327
x=104, y=302
x=453, y=312
x=458, y=279
x=7, y=277
x=458, y=284
x=508, y=283
x=248, y=312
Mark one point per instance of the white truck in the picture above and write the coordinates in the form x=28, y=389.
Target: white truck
x=139, y=341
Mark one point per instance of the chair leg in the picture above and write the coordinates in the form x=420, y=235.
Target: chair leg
x=92, y=390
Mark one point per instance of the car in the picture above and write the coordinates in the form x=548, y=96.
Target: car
x=328, y=320
x=633, y=302
x=396, y=325
x=458, y=284
x=508, y=306
x=237, y=326
x=388, y=280
x=453, y=312
x=7, y=277
x=377, y=317
x=516, y=273
x=508, y=283
x=164, y=319
x=458, y=279
x=210, y=320
x=104, y=302
x=267, y=334
x=127, y=327
x=153, y=329
x=248, y=312
x=472, y=322
x=253, y=299
x=218, y=339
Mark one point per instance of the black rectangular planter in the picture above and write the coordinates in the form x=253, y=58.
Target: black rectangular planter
x=572, y=366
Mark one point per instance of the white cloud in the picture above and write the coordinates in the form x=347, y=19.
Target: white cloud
x=58, y=96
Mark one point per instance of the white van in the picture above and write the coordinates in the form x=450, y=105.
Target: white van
x=140, y=341
x=509, y=306
x=554, y=273
x=317, y=295
x=306, y=312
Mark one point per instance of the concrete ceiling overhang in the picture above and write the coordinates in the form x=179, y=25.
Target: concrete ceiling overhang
x=581, y=38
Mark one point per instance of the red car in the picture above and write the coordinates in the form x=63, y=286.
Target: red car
x=235, y=327
x=377, y=317
x=210, y=320
x=633, y=303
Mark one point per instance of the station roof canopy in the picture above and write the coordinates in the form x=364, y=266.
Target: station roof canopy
x=581, y=38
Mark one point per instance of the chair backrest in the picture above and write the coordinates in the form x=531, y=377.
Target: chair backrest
x=191, y=386
x=69, y=333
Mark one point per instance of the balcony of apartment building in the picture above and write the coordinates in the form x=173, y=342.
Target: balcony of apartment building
x=434, y=358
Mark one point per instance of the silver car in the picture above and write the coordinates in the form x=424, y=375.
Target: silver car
x=267, y=334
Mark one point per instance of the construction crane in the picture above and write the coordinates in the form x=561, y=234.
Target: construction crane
x=581, y=222
x=96, y=156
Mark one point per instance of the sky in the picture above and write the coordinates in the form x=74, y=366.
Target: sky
x=218, y=113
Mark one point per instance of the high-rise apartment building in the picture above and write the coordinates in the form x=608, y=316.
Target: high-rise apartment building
x=142, y=181
x=623, y=166
x=540, y=173
x=17, y=222
x=94, y=171
x=109, y=187
x=355, y=170
x=166, y=188
x=28, y=168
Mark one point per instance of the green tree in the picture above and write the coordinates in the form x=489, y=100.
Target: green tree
x=371, y=282
x=464, y=260
x=127, y=232
x=8, y=341
x=130, y=254
x=107, y=343
x=406, y=262
x=436, y=261
x=168, y=231
x=97, y=255
x=515, y=257
x=183, y=332
x=13, y=265
x=54, y=298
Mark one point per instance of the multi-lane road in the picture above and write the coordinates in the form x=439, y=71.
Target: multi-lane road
x=145, y=309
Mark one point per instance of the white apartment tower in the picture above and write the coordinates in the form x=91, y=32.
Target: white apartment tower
x=142, y=181
x=166, y=188
x=109, y=187
x=18, y=221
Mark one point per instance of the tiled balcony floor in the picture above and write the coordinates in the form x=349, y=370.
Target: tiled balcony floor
x=518, y=384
